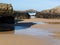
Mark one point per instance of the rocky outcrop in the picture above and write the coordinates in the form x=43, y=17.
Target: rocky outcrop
x=6, y=13
x=6, y=9
x=6, y=17
x=21, y=15
x=50, y=13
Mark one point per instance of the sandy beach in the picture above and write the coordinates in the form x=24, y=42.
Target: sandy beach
x=9, y=39
x=33, y=32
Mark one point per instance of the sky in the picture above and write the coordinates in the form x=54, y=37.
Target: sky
x=32, y=4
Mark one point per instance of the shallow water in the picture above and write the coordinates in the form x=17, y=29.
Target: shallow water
x=24, y=28
x=32, y=31
x=40, y=22
x=45, y=36
x=34, y=22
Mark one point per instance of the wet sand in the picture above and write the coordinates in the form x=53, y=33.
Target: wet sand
x=40, y=20
x=30, y=32
x=23, y=40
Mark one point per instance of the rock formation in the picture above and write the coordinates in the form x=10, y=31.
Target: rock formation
x=6, y=17
x=6, y=9
x=50, y=13
x=21, y=15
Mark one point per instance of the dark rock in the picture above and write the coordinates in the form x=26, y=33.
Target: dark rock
x=21, y=15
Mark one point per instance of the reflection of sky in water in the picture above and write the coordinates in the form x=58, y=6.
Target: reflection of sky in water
x=23, y=25
x=35, y=22
x=39, y=22
x=32, y=31
x=32, y=13
x=23, y=29
x=43, y=34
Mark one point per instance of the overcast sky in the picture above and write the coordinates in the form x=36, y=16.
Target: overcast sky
x=32, y=4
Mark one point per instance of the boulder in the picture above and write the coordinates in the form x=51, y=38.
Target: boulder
x=6, y=18
x=6, y=9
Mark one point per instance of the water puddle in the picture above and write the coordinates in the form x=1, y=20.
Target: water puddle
x=46, y=36
x=24, y=25
x=32, y=31
x=33, y=22
x=24, y=28
x=40, y=22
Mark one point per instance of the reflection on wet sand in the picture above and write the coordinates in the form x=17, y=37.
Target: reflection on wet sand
x=53, y=22
x=23, y=25
x=48, y=37
x=33, y=33
x=56, y=35
x=40, y=36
